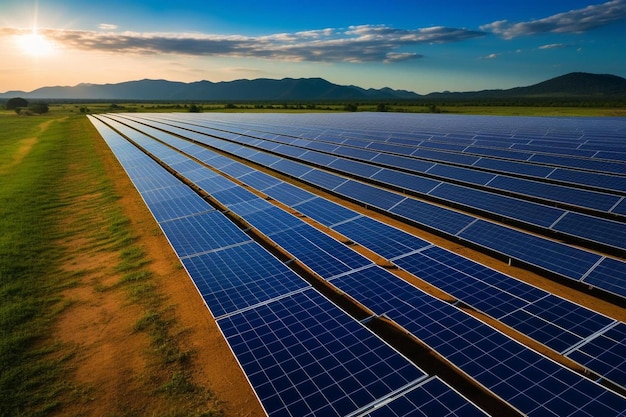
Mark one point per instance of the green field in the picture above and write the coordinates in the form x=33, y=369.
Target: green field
x=54, y=191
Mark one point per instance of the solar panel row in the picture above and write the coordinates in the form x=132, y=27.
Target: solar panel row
x=348, y=274
x=301, y=353
x=555, y=257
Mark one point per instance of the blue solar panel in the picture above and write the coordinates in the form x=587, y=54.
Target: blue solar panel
x=553, y=256
x=286, y=166
x=385, y=240
x=318, y=158
x=288, y=193
x=553, y=192
x=620, y=208
x=525, y=379
x=412, y=164
x=321, y=253
x=473, y=176
x=370, y=195
x=259, y=180
x=271, y=220
x=431, y=398
x=610, y=275
x=323, y=179
x=605, y=354
x=239, y=277
x=410, y=182
x=499, y=205
x=608, y=232
x=233, y=195
x=325, y=211
x=207, y=231
x=430, y=215
x=584, y=163
x=514, y=167
x=353, y=167
x=602, y=181
x=305, y=357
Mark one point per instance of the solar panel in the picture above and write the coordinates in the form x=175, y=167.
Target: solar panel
x=323, y=179
x=323, y=254
x=202, y=232
x=324, y=211
x=407, y=181
x=608, y=232
x=288, y=193
x=500, y=205
x=386, y=241
x=610, y=275
x=431, y=398
x=240, y=276
x=430, y=215
x=605, y=354
x=305, y=357
x=569, y=195
x=530, y=382
x=370, y=195
x=553, y=256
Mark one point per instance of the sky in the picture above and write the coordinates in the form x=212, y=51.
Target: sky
x=417, y=45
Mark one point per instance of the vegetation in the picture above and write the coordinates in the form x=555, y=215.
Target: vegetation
x=54, y=191
x=16, y=103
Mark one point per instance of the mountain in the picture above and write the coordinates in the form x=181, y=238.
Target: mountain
x=287, y=89
x=572, y=85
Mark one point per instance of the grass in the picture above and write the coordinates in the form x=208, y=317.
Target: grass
x=53, y=190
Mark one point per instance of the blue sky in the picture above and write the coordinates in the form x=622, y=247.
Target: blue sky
x=422, y=46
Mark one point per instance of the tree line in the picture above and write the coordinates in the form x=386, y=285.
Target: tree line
x=22, y=106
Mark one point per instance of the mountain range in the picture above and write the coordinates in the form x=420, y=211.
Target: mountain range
x=575, y=84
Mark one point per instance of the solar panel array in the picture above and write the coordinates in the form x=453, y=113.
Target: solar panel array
x=573, y=262
x=233, y=288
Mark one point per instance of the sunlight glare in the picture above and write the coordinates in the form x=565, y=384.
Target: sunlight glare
x=35, y=44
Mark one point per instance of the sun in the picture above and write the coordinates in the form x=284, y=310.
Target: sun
x=35, y=44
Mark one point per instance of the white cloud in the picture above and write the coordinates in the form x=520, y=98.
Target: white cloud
x=573, y=21
x=365, y=43
x=554, y=46
x=107, y=26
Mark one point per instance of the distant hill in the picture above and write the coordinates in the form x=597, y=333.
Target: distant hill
x=287, y=89
x=572, y=85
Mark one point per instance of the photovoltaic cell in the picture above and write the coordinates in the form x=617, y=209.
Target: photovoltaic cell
x=305, y=357
x=610, y=275
x=530, y=382
x=202, y=232
x=325, y=211
x=369, y=194
x=239, y=277
x=429, y=399
x=386, y=241
x=323, y=254
x=430, y=215
x=553, y=256
x=605, y=354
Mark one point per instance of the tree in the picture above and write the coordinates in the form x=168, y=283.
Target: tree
x=39, y=108
x=15, y=103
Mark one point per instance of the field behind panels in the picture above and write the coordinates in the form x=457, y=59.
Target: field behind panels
x=545, y=194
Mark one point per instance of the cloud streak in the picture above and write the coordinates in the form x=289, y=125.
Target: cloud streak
x=573, y=21
x=364, y=43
